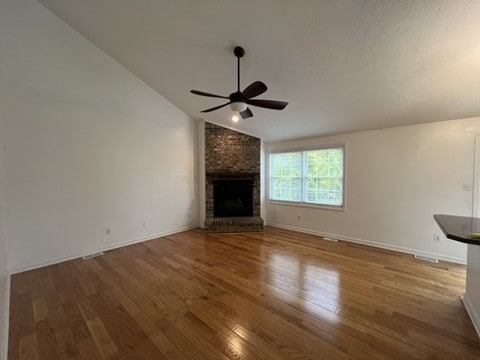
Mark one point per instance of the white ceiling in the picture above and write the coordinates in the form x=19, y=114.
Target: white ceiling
x=344, y=65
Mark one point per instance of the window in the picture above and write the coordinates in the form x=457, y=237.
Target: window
x=312, y=177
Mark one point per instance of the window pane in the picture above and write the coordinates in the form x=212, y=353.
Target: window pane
x=324, y=176
x=286, y=176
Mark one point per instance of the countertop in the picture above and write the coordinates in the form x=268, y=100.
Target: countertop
x=458, y=228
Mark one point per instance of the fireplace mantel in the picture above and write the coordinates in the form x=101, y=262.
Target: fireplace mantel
x=221, y=175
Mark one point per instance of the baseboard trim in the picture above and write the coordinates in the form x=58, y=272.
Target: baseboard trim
x=401, y=249
x=59, y=259
x=6, y=323
x=474, y=316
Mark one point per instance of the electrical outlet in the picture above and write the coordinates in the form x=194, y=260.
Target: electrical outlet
x=144, y=224
x=467, y=187
x=299, y=217
x=436, y=238
x=107, y=231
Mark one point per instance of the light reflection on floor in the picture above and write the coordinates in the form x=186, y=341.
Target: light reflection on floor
x=303, y=283
x=235, y=341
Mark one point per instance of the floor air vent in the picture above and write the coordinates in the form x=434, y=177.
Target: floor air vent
x=330, y=239
x=426, y=258
x=93, y=255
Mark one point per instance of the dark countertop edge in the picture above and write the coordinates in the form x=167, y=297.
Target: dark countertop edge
x=462, y=239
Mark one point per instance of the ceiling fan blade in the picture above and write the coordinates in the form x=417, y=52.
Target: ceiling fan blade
x=203, y=93
x=268, y=104
x=254, y=89
x=246, y=114
x=216, y=107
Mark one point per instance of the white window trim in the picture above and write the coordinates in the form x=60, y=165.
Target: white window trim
x=301, y=203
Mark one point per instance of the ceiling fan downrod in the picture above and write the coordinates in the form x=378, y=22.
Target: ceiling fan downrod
x=239, y=53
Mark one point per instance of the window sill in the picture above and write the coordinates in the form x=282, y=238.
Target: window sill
x=306, y=205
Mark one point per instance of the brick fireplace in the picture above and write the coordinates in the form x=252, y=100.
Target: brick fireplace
x=232, y=181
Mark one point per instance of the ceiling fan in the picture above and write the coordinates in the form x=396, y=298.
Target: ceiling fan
x=240, y=100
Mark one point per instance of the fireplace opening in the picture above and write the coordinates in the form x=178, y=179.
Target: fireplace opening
x=232, y=197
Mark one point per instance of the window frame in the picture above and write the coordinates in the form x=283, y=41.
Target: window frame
x=302, y=203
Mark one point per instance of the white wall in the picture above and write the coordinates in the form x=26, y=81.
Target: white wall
x=88, y=145
x=4, y=277
x=476, y=175
x=471, y=298
x=396, y=179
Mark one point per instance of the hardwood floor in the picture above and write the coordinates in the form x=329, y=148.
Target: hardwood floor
x=277, y=295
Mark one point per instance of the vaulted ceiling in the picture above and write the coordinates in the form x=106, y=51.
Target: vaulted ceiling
x=343, y=65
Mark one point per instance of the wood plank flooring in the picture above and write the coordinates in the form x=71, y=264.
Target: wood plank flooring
x=277, y=295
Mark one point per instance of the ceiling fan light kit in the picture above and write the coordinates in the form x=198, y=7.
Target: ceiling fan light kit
x=238, y=106
x=240, y=100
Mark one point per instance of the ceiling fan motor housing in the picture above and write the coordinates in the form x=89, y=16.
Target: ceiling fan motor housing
x=236, y=96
